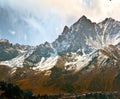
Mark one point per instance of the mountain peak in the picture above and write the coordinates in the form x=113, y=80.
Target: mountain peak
x=83, y=17
x=66, y=28
x=108, y=20
x=4, y=41
x=47, y=44
x=83, y=20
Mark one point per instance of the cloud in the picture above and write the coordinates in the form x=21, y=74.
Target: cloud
x=94, y=9
x=47, y=18
x=25, y=37
x=12, y=32
x=100, y=9
x=0, y=36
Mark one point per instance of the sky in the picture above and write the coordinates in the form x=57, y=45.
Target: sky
x=45, y=19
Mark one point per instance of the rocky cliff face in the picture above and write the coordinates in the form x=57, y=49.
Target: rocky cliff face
x=7, y=51
x=43, y=50
x=88, y=36
x=73, y=38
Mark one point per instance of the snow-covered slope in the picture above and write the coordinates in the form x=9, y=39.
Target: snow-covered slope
x=17, y=61
x=46, y=64
x=79, y=62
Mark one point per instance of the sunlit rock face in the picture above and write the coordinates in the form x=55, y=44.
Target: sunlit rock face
x=88, y=36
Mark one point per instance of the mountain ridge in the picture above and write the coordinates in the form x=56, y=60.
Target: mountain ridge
x=82, y=38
